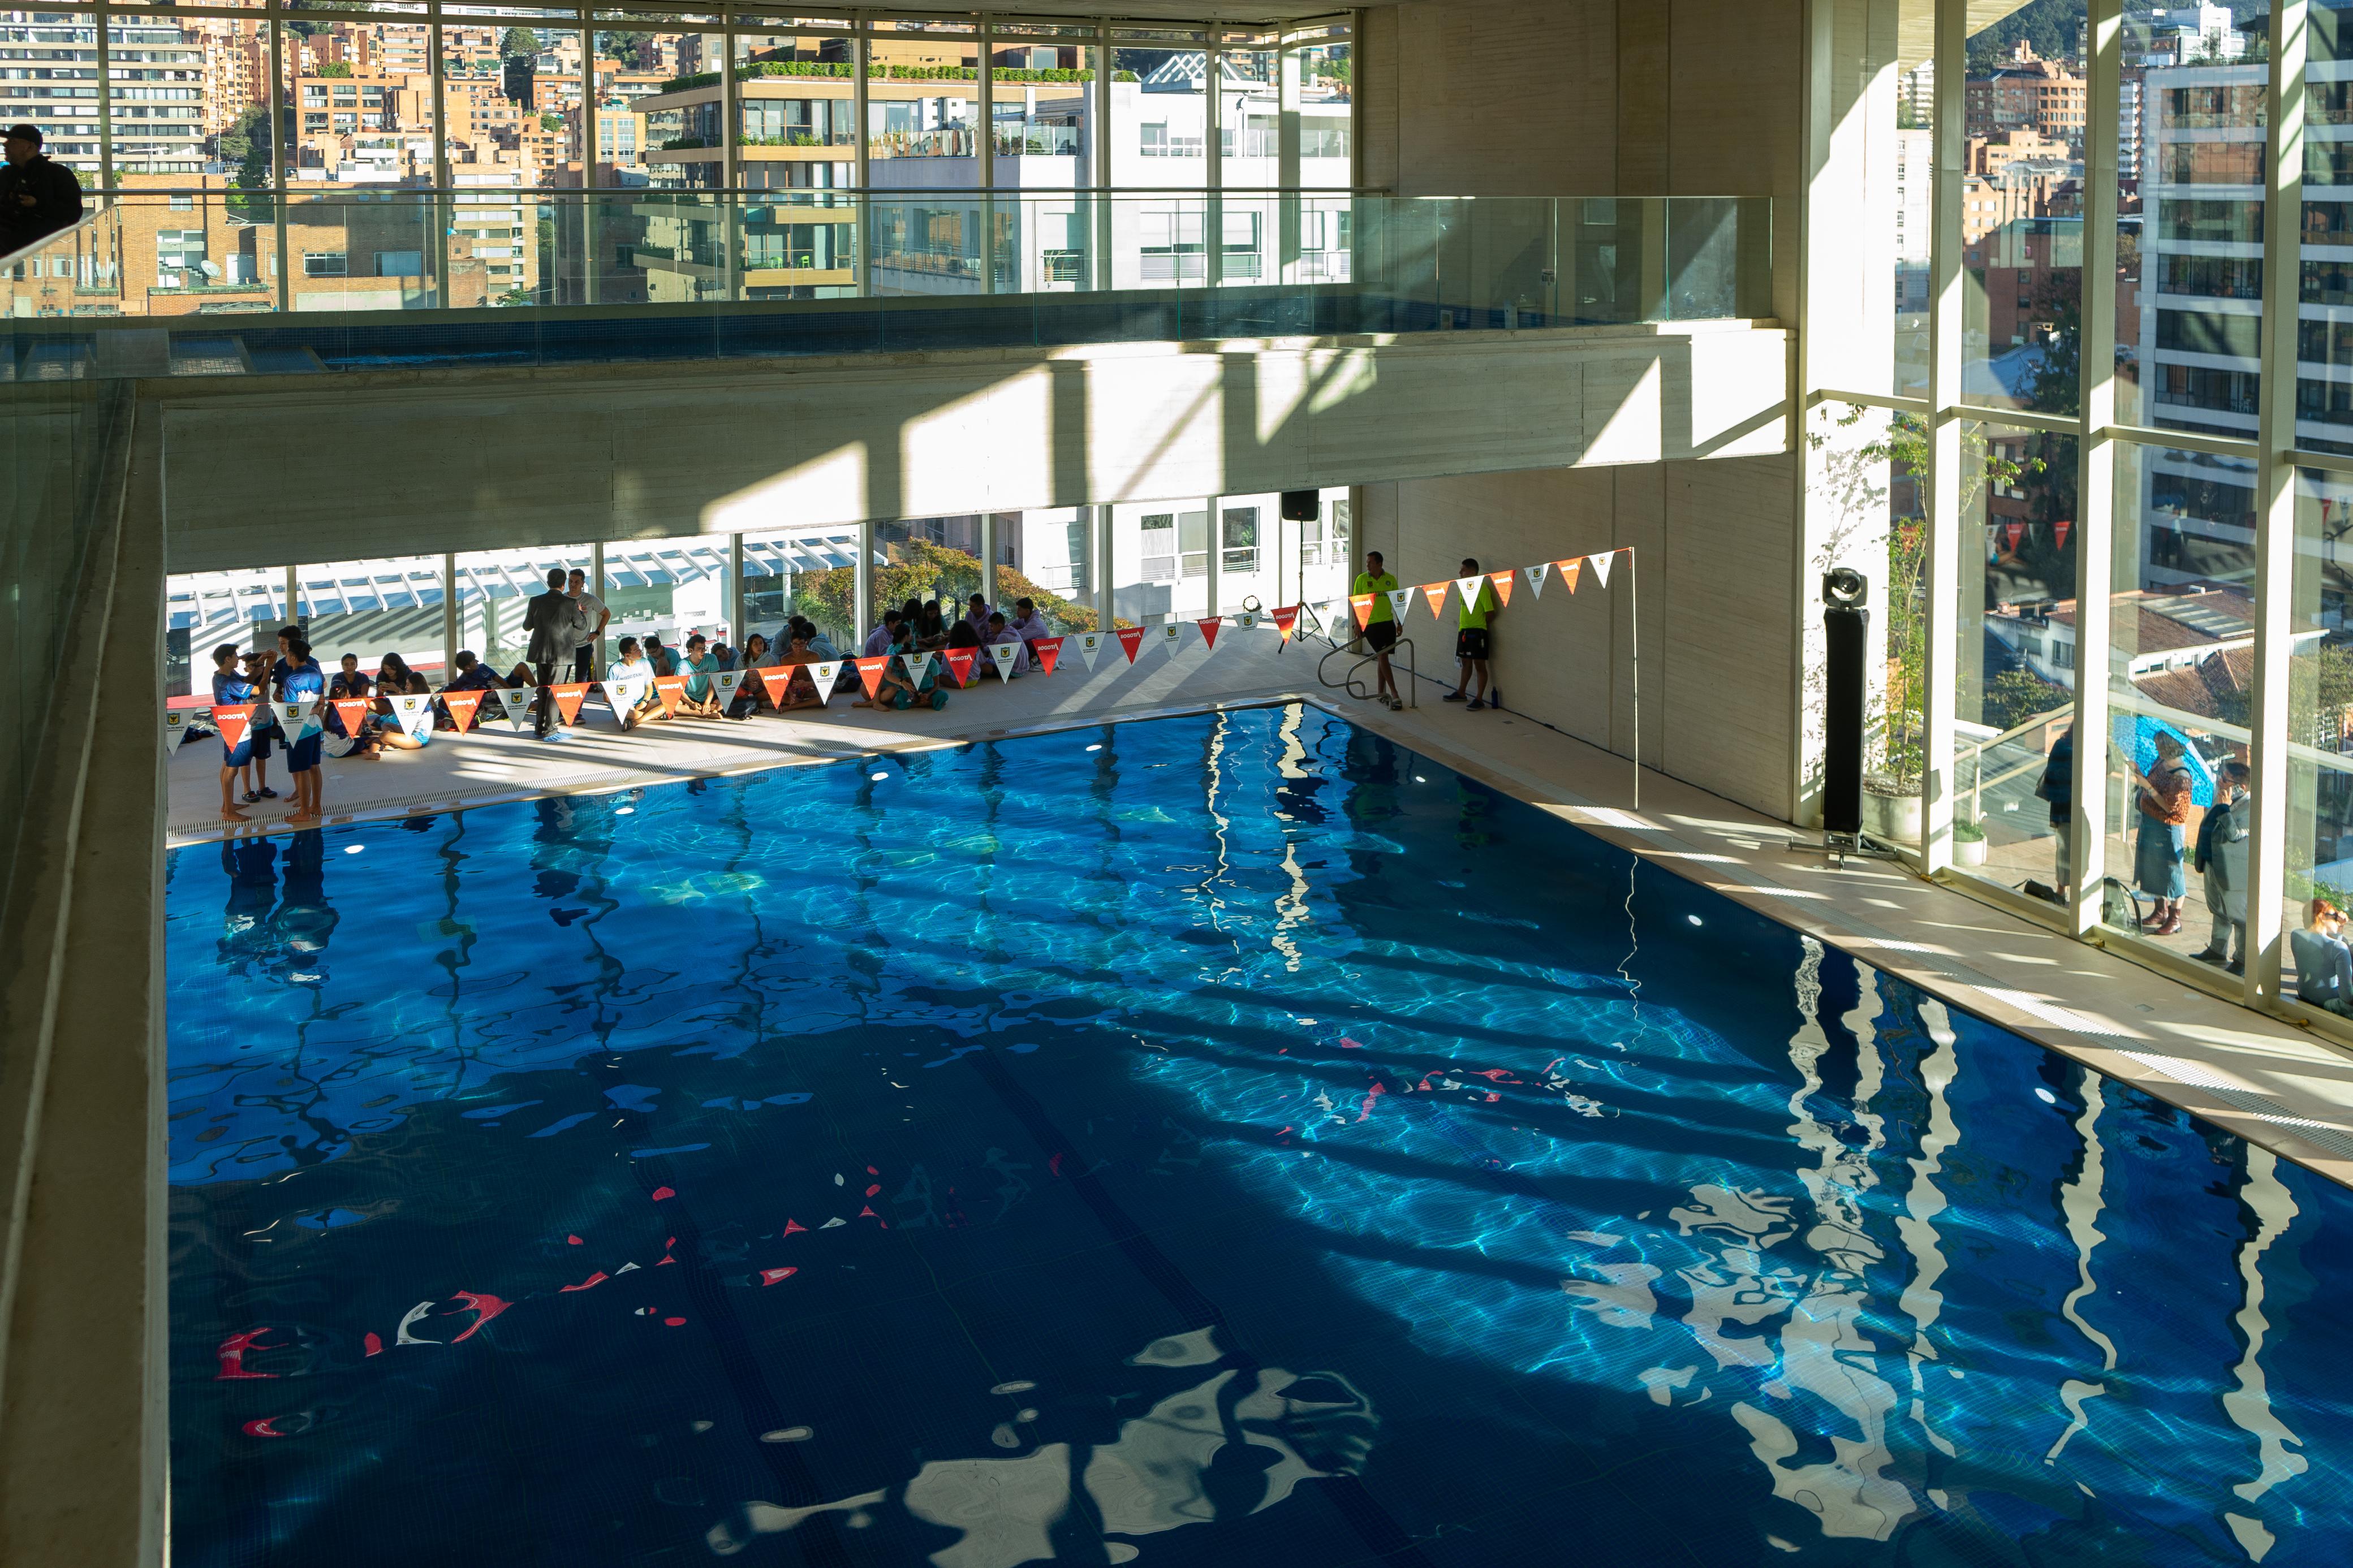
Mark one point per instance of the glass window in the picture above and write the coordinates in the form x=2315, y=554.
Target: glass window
x=1160, y=114
x=923, y=559
x=370, y=608
x=671, y=82
x=495, y=587
x=2320, y=743
x=806, y=573
x=1047, y=557
x=923, y=107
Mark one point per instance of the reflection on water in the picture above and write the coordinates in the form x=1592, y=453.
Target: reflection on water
x=791, y=1170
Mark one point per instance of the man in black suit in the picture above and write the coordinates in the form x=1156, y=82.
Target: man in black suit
x=38, y=197
x=556, y=624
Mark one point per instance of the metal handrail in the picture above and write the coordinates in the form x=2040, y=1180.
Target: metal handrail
x=89, y=216
x=1349, y=681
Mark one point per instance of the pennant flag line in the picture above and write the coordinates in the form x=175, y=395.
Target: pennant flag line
x=2061, y=529
x=627, y=692
x=1169, y=634
x=1436, y=594
x=1047, y=652
x=2012, y=533
x=1568, y=571
x=1469, y=588
x=724, y=685
x=568, y=699
x=1210, y=631
x=1600, y=564
x=462, y=706
x=354, y=712
x=1130, y=638
x=774, y=682
x=412, y=713
x=917, y=664
x=824, y=673
x=1286, y=620
x=175, y=728
x=1363, y=604
x=1400, y=603
x=517, y=705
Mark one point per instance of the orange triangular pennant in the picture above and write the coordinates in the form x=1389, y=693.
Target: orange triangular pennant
x=568, y=698
x=353, y=710
x=960, y=663
x=1363, y=604
x=1503, y=581
x=462, y=706
x=1568, y=571
x=1046, y=651
x=672, y=689
x=870, y=670
x=1209, y=630
x=235, y=722
x=776, y=681
x=1436, y=594
x=1286, y=619
x=1130, y=638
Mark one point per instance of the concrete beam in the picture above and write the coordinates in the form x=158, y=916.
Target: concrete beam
x=474, y=458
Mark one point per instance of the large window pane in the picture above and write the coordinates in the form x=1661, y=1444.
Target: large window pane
x=2190, y=299
x=203, y=610
x=1047, y=557
x=1249, y=111
x=684, y=144
x=799, y=572
x=2023, y=218
x=922, y=108
x=794, y=108
x=1915, y=190
x=157, y=95
x=370, y=608
x=923, y=559
x=1323, y=84
x=494, y=586
x=2016, y=656
x=672, y=588
x=1159, y=111
x=2320, y=740
x=2181, y=667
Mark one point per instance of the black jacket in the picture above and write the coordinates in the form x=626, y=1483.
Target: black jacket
x=56, y=201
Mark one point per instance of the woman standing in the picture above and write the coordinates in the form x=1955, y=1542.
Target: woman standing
x=2163, y=799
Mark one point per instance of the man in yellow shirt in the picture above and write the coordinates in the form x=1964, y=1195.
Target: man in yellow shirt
x=1380, y=632
x=1471, y=638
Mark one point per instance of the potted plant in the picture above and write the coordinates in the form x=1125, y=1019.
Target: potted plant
x=1969, y=843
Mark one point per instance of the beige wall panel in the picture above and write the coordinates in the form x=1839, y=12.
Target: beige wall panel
x=1644, y=29
x=1729, y=629
x=1376, y=70
x=1735, y=127
x=538, y=457
x=1639, y=599
x=1506, y=98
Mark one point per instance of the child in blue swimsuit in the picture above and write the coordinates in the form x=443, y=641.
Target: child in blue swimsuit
x=231, y=688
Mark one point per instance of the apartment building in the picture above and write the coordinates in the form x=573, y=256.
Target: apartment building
x=2028, y=93
x=48, y=76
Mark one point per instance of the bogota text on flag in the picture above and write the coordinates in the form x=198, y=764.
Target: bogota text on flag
x=1047, y=651
x=724, y=684
x=568, y=698
x=870, y=670
x=1600, y=564
x=960, y=664
x=672, y=689
x=1130, y=638
x=1209, y=630
x=412, y=713
x=1363, y=604
x=1286, y=620
x=1091, y=647
x=515, y=704
x=1002, y=654
x=235, y=722
x=1503, y=581
x=462, y=706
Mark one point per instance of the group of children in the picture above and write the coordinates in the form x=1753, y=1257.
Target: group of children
x=293, y=676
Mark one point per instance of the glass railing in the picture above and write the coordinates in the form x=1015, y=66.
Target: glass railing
x=350, y=278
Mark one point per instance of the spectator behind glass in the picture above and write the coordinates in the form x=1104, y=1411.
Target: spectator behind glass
x=37, y=196
x=2324, y=968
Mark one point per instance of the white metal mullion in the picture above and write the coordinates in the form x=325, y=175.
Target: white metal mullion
x=1943, y=664
x=277, y=115
x=2096, y=520
x=104, y=19
x=2276, y=489
x=441, y=204
x=862, y=231
x=1103, y=155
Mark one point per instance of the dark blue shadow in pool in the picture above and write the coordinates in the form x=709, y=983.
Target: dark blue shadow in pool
x=1225, y=1140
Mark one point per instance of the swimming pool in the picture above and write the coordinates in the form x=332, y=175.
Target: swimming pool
x=1223, y=1140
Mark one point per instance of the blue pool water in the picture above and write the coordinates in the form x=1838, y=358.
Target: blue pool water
x=1221, y=1141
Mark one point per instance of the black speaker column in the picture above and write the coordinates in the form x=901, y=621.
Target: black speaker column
x=1846, y=625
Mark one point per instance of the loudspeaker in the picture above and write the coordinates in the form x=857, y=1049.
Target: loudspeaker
x=1301, y=506
x=1845, y=700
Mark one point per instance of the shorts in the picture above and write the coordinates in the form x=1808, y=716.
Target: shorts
x=238, y=755
x=260, y=741
x=1470, y=642
x=303, y=756
x=1381, y=636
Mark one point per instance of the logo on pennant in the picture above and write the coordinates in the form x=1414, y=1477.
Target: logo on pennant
x=824, y=673
x=1246, y=619
x=870, y=670
x=568, y=699
x=724, y=684
x=1470, y=588
x=415, y=712
x=1047, y=651
x=1286, y=620
x=515, y=703
x=1090, y=647
x=235, y=722
x=672, y=689
x=1363, y=604
x=776, y=681
x=1210, y=631
x=1503, y=581
x=1400, y=602
x=1130, y=638
x=1169, y=634
x=1002, y=654
x=918, y=666
x=960, y=664
x=175, y=728
x=299, y=720
x=625, y=692
x=1536, y=576
x=1600, y=564
x=1568, y=571
x=462, y=706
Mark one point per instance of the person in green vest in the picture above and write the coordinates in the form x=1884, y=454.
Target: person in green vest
x=1471, y=638
x=1380, y=631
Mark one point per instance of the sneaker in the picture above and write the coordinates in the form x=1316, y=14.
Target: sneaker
x=2210, y=956
x=266, y=792
x=1451, y=697
x=1476, y=704
x=1397, y=704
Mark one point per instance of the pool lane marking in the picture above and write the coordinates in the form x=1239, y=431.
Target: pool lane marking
x=1347, y=1493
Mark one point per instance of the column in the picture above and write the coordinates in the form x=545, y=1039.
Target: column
x=727, y=209
x=293, y=596
x=588, y=207
x=1217, y=548
x=441, y=203
x=595, y=575
x=104, y=21
x=1287, y=176
x=1213, y=214
x=448, y=617
x=735, y=588
x=2276, y=494
x=861, y=588
x=861, y=232
x=278, y=150
x=989, y=557
x=1106, y=579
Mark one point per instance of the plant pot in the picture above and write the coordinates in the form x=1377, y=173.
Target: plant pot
x=1892, y=818
x=1969, y=851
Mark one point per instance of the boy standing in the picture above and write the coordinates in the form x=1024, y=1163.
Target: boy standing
x=1471, y=638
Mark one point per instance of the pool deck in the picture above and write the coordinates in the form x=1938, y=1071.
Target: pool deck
x=2274, y=1083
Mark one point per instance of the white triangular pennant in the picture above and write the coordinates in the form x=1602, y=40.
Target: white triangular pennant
x=918, y=666
x=1091, y=645
x=1469, y=588
x=1246, y=619
x=415, y=712
x=298, y=718
x=625, y=692
x=516, y=703
x=1400, y=601
x=823, y=674
x=1170, y=633
x=1002, y=654
x=1536, y=576
x=175, y=728
x=1600, y=564
x=724, y=683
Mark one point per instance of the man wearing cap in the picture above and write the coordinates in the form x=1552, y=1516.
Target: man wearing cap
x=37, y=196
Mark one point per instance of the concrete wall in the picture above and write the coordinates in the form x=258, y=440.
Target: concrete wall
x=471, y=460
x=1711, y=567
x=1567, y=98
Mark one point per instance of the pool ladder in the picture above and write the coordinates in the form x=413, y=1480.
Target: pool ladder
x=1349, y=681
